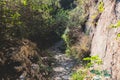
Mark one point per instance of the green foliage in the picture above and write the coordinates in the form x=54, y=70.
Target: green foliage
x=88, y=72
x=116, y=25
x=77, y=16
x=31, y=18
x=24, y=2
x=101, y=6
x=118, y=35
x=38, y=19
x=79, y=75
x=10, y=18
x=66, y=38
x=93, y=60
x=61, y=19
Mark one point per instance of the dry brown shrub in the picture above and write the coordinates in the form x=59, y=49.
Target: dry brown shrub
x=80, y=43
x=20, y=59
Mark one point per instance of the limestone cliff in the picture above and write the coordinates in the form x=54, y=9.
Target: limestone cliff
x=104, y=42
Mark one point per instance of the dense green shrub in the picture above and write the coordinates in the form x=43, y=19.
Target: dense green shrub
x=76, y=17
x=39, y=19
x=36, y=20
x=67, y=4
x=61, y=19
x=77, y=43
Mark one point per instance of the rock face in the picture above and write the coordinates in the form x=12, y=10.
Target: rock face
x=104, y=38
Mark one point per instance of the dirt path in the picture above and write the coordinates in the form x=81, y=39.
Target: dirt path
x=63, y=65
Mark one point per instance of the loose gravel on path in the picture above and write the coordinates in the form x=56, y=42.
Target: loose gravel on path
x=63, y=66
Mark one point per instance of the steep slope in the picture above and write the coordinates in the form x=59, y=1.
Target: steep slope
x=105, y=42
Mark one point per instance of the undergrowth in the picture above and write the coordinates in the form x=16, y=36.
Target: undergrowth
x=88, y=72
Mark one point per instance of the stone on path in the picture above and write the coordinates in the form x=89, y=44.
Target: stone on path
x=63, y=64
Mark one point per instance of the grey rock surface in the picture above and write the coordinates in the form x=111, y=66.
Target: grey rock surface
x=105, y=42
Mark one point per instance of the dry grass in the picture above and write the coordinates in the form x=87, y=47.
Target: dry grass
x=80, y=43
x=20, y=58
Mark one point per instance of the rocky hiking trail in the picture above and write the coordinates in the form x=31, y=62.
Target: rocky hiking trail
x=63, y=66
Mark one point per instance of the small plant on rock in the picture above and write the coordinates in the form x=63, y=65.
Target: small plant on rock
x=101, y=6
x=89, y=72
